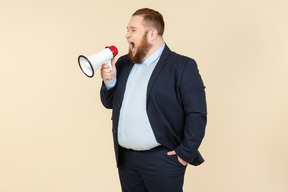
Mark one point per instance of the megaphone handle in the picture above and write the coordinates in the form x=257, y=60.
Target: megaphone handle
x=109, y=63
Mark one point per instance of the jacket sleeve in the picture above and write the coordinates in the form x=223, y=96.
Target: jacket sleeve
x=107, y=96
x=192, y=92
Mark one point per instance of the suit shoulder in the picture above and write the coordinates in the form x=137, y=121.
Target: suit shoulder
x=123, y=59
x=181, y=59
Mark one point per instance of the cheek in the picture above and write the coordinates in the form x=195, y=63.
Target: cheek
x=137, y=38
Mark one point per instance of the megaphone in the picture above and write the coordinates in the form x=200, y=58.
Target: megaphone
x=91, y=63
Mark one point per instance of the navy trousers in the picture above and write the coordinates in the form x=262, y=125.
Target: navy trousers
x=150, y=171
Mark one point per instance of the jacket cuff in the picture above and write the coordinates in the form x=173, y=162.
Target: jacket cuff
x=193, y=159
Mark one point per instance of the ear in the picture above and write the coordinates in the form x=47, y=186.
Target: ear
x=153, y=34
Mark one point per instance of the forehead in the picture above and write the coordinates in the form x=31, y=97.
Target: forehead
x=136, y=22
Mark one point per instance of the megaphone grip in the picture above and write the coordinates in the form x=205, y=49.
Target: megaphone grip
x=110, y=65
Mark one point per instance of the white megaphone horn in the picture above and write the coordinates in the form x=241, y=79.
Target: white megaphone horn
x=91, y=63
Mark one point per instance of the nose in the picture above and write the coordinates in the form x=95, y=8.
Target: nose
x=127, y=35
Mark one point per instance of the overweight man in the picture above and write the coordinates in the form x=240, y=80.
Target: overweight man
x=159, y=109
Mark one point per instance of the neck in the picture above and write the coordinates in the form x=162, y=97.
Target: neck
x=155, y=46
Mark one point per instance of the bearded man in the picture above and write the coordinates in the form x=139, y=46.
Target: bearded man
x=159, y=109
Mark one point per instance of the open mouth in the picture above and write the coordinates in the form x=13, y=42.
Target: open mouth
x=132, y=46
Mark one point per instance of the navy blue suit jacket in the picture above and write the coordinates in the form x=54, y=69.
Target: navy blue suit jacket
x=176, y=103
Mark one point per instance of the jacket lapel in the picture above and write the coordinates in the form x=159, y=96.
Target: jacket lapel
x=158, y=68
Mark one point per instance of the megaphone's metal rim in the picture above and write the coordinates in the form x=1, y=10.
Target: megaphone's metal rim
x=89, y=64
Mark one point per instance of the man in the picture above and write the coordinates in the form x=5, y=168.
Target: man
x=159, y=109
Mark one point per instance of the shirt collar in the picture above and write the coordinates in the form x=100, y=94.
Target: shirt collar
x=154, y=56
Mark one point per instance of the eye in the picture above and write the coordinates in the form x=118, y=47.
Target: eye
x=131, y=30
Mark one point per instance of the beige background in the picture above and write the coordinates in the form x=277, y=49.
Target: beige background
x=56, y=136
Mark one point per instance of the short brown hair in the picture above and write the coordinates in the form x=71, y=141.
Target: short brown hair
x=152, y=18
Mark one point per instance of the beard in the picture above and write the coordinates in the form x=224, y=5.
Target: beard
x=141, y=52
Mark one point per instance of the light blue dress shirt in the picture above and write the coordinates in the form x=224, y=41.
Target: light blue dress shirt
x=134, y=129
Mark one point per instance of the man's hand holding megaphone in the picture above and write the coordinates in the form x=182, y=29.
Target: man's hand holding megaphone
x=106, y=73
